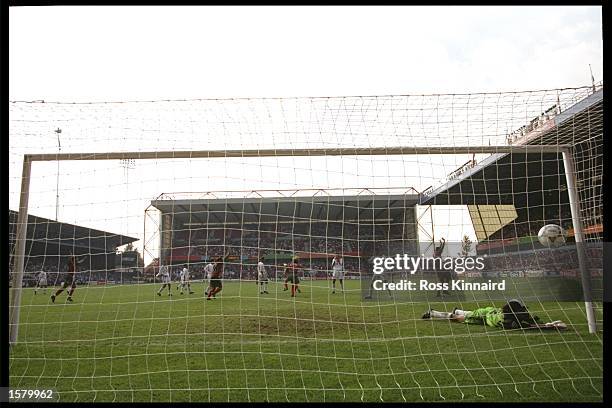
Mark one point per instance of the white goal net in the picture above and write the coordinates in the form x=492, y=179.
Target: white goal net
x=263, y=249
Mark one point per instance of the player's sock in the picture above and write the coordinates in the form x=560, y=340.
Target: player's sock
x=293, y=287
x=212, y=292
x=341, y=285
x=285, y=288
x=440, y=315
x=53, y=298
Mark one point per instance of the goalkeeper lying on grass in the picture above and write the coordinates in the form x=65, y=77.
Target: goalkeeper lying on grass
x=513, y=315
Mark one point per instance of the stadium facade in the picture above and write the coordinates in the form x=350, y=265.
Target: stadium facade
x=314, y=228
x=50, y=243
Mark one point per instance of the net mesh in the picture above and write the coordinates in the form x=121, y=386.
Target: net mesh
x=134, y=330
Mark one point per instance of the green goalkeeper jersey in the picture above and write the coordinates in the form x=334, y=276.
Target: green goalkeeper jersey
x=488, y=316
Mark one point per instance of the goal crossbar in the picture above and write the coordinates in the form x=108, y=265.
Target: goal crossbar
x=345, y=151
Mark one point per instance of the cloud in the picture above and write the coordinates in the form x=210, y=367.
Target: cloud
x=91, y=53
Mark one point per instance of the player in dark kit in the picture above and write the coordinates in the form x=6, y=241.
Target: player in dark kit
x=291, y=275
x=216, y=284
x=69, y=280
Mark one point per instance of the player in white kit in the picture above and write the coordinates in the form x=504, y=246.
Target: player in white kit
x=185, y=281
x=337, y=272
x=164, y=274
x=208, y=270
x=262, y=276
x=41, y=282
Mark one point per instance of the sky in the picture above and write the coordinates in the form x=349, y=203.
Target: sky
x=109, y=54
x=158, y=52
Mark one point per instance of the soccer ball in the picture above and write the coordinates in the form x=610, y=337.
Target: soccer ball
x=551, y=236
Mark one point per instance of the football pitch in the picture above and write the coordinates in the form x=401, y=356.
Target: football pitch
x=125, y=343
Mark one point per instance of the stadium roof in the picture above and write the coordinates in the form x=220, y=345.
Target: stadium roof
x=274, y=209
x=506, y=181
x=562, y=129
x=68, y=237
x=509, y=181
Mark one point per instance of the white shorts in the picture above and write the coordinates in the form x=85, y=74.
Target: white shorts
x=184, y=280
x=165, y=279
x=42, y=282
x=262, y=277
x=338, y=274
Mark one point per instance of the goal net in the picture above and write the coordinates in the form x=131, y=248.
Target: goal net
x=367, y=248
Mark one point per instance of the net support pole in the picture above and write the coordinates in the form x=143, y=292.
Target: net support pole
x=141, y=272
x=574, y=202
x=20, y=246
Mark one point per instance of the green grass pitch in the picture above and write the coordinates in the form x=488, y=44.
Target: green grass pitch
x=124, y=343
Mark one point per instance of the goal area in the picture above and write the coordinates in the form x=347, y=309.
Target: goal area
x=356, y=249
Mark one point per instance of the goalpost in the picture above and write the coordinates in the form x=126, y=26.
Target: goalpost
x=295, y=202
x=29, y=159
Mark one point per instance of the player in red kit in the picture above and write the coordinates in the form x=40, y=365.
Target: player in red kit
x=216, y=283
x=291, y=275
x=69, y=280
